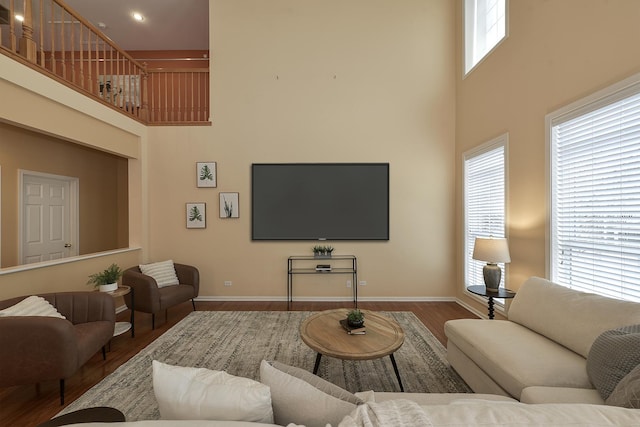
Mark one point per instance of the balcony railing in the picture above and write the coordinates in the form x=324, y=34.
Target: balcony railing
x=57, y=41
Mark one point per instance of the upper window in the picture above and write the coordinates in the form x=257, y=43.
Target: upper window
x=485, y=25
x=595, y=193
x=484, y=202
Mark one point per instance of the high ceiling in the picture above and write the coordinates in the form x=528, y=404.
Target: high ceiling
x=167, y=25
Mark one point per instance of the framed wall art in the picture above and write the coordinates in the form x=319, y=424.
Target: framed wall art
x=206, y=174
x=196, y=215
x=229, y=206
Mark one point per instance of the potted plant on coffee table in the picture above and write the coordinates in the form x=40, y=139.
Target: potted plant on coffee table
x=355, y=318
x=106, y=280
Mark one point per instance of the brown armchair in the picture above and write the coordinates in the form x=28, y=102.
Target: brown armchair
x=151, y=299
x=35, y=348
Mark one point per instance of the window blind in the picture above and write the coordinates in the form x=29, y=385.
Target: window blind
x=595, y=231
x=484, y=205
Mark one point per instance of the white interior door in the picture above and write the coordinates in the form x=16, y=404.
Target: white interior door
x=48, y=217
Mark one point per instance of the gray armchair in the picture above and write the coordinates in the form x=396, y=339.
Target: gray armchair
x=148, y=298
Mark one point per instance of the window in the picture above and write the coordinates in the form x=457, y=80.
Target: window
x=485, y=25
x=595, y=193
x=484, y=202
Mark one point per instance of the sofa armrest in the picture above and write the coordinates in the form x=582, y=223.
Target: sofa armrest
x=34, y=348
x=188, y=275
x=145, y=289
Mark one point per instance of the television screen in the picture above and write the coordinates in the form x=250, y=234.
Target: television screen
x=320, y=201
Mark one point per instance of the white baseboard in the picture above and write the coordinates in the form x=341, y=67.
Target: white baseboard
x=482, y=315
x=329, y=299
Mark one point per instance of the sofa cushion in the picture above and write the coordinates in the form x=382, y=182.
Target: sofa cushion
x=203, y=394
x=163, y=272
x=613, y=355
x=627, y=392
x=516, y=357
x=429, y=399
x=300, y=397
x=542, y=394
x=32, y=306
x=568, y=317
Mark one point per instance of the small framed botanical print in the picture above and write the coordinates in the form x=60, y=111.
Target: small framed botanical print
x=229, y=206
x=206, y=174
x=196, y=215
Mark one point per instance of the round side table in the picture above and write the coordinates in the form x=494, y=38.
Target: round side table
x=122, y=327
x=484, y=292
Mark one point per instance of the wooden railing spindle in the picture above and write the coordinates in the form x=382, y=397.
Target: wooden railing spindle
x=81, y=48
x=42, y=59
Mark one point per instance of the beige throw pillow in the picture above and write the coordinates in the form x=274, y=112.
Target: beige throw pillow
x=163, y=272
x=300, y=397
x=32, y=306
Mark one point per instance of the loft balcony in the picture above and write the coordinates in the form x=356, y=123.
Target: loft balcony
x=155, y=88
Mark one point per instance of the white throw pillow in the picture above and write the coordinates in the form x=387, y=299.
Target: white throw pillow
x=202, y=394
x=163, y=272
x=299, y=397
x=32, y=306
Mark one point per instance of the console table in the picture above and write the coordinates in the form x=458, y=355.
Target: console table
x=301, y=264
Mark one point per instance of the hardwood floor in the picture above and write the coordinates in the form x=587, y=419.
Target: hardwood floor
x=29, y=405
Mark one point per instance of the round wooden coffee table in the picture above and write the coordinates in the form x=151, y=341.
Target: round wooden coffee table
x=323, y=333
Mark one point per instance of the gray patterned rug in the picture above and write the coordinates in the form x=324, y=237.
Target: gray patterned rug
x=237, y=341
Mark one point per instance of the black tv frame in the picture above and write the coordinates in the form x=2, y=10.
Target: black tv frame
x=377, y=186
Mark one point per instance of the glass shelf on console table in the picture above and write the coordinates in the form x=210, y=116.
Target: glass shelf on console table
x=302, y=264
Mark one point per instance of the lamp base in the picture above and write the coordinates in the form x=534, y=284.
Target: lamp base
x=492, y=275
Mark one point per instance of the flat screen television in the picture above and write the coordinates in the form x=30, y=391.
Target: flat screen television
x=320, y=201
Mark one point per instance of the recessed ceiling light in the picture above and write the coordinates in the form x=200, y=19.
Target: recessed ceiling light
x=19, y=18
x=138, y=16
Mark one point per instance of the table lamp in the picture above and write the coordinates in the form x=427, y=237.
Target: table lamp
x=492, y=251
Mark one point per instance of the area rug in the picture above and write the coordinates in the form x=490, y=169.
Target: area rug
x=237, y=341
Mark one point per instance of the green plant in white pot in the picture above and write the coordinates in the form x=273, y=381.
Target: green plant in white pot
x=106, y=280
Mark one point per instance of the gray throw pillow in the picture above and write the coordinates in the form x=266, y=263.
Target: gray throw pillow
x=627, y=392
x=612, y=356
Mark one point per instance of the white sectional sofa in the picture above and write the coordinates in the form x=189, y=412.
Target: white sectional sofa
x=441, y=410
x=540, y=354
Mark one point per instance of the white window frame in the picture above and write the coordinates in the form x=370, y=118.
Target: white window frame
x=596, y=101
x=474, y=33
x=501, y=141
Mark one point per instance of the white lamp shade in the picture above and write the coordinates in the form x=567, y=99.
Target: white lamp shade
x=491, y=250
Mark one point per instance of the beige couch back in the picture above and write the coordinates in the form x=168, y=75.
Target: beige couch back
x=568, y=317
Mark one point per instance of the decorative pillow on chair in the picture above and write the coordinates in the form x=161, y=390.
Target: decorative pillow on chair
x=163, y=272
x=299, y=397
x=32, y=306
x=627, y=392
x=202, y=394
x=612, y=356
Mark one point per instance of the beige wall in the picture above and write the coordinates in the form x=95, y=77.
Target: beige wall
x=557, y=51
x=43, y=106
x=330, y=81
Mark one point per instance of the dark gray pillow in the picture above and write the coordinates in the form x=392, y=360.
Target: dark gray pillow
x=627, y=392
x=612, y=356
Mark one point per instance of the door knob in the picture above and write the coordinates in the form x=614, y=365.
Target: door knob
x=67, y=245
